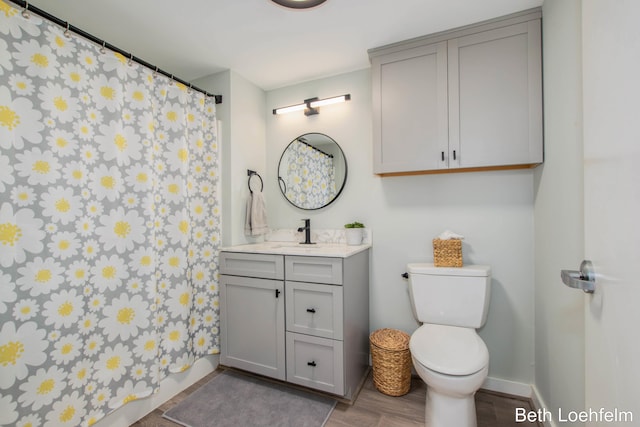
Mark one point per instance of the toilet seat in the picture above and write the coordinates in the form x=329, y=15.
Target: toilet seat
x=450, y=350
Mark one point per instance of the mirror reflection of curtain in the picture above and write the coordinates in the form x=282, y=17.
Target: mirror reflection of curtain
x=310, y=179
x=109, y=227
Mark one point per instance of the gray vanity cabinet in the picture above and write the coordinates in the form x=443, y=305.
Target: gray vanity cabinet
x=459, y=100
x=324, y=341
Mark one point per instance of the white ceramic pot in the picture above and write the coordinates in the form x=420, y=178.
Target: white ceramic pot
x=353, y=235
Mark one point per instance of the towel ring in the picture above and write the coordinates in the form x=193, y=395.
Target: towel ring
x=250, y=173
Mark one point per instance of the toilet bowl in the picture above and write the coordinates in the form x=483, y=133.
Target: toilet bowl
x=446, y=350
x=453, y=362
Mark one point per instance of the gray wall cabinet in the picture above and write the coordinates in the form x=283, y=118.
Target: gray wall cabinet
x=460, y=100
x=302, y=319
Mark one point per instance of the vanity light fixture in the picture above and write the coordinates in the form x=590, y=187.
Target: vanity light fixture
x=312, y=106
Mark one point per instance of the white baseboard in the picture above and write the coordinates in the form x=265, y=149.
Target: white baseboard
x=538, y=403
x=169, y=387
x=508, y=387
x=495, y=384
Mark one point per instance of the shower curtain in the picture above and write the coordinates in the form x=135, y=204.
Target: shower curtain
x=310, y=178
x=109, y=227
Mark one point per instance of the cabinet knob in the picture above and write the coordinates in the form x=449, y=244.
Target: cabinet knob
x=311, y=310
x=454, y=154
x=277, y=293
x=442, y=155
x=312, y=363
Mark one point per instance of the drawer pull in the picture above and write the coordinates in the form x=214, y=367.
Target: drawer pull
x=312, y=363
x=311, y=310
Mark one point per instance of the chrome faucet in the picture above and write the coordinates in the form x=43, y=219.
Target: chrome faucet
x=307, y=232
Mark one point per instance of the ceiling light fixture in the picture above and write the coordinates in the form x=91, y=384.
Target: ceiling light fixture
x=299, y=4
x=312, y=106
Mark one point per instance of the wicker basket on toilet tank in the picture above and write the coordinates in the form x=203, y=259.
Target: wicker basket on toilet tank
x=447, y=253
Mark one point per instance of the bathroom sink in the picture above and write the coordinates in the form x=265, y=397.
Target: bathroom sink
x=293, y=248
x=302, y=248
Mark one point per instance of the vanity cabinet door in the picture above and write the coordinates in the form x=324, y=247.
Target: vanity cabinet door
x=264, y=266
x=313, y=269
x=495, y=97
x=252, y=325
x=410, y=109
x=315, y=362
x=314, y=309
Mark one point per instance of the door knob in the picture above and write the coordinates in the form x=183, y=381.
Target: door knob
x=584, y=279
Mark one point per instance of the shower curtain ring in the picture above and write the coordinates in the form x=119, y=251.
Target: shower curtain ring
x=130, y=61
x=25, y=11
x=103, y=49
x=66, y=33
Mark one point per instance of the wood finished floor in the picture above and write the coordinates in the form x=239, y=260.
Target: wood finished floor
x=374, y=409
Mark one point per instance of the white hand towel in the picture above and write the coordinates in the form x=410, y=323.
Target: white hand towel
x=256, y=219
x=247, y=220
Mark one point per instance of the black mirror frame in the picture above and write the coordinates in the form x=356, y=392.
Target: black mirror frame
x=344, y=181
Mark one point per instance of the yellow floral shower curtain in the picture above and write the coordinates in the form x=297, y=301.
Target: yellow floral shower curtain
x=109, y=227
x=310, y=178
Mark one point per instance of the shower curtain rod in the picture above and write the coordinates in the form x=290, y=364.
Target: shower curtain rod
x=64, y=24
x=304, y=141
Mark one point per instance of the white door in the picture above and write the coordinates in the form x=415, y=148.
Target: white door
x=611, y=83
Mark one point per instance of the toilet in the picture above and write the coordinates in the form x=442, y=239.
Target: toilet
x=448, y=354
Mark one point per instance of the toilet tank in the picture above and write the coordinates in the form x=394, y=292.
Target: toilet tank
x=455, y=296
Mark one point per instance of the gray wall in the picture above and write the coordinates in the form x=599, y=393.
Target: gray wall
x=242, y=119
x=493, y=210
x=541, y=343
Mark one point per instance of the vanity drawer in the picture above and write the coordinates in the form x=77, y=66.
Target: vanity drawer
x=263, y=266
x=314, y=269
x=315, y=362
x=314, y=309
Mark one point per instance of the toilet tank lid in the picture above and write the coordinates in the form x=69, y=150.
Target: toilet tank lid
x=467, y=270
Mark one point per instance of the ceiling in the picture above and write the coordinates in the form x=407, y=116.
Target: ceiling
x=265, y=43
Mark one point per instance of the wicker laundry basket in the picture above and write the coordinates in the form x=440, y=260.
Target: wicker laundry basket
x=391, y=361
x=447, y=253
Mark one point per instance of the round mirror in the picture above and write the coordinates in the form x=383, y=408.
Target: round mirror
x=312, y=171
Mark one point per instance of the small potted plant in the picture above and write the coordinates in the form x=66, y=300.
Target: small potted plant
x=353, y=233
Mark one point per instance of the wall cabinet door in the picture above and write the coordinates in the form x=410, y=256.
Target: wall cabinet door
x=410, y=109
x=252, y=325
x=495, y=97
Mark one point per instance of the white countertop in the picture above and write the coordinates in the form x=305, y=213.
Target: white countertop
x=336, y=250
